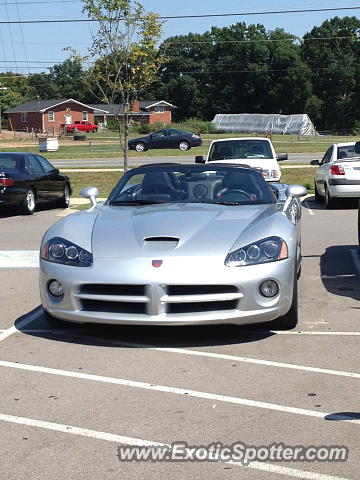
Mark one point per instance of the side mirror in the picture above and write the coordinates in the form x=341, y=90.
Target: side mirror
x=90, y=193
x=282, y=156
x=315, y=162
x=296, y=191
x=293, y=191
x=199, y=159
x=56, y=170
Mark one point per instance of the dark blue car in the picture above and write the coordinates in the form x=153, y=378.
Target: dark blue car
x=27, y=179
x=167, y=138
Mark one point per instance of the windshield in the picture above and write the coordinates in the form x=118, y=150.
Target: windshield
x=347, y=151
x=231, y=149
x=191, y=184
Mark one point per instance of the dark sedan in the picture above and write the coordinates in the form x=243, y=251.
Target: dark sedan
x=27, y=179
x=167, y=138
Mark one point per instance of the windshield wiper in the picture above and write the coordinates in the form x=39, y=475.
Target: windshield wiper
x=134, y=202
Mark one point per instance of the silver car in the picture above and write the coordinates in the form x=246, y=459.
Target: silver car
x=338, y=175
x=177, y=245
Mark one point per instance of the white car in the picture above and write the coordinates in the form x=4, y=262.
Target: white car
x=338, y=174
x=255, y=152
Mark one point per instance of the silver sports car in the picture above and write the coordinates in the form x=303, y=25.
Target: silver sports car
x=177, y=245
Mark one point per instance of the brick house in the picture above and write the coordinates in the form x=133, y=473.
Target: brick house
x=149, y=111
x=51, y=115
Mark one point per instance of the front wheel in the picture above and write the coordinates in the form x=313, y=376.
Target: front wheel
x=184, y=145
x=64, y=201
x=29, y=203
x=140, y=147
x=94, y=130
x=290, y=319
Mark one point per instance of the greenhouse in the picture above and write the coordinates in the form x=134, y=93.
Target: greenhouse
x=299, y=124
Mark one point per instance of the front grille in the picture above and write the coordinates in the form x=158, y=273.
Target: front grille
x=200, y=289
x=196, y=307
x=157, y=299
x=113, y=307
x=112, y=289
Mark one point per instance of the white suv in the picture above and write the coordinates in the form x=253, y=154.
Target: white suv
x=339, y=173
x=252, y=151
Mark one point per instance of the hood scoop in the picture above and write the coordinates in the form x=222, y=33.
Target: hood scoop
x=161, y=242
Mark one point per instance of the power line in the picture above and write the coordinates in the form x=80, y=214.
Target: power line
x=208, y=15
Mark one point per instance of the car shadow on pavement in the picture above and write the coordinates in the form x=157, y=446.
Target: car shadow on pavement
x=35, y=324
x=343, y=204
x=339, y=273
x=15, y=212
x=343, y=416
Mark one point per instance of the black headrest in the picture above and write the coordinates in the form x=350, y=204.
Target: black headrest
x=357, y=147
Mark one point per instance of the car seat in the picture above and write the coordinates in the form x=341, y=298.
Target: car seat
x=239, y=181
x=158, y=186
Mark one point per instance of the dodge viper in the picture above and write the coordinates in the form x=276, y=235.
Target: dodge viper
x=177, y=244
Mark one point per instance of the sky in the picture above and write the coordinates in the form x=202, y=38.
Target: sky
x=30, y=48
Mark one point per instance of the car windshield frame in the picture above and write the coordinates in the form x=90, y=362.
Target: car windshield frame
x=240, y=149
x=192, y=184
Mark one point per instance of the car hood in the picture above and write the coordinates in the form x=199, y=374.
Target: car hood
x=134, y=140
x=178, y=229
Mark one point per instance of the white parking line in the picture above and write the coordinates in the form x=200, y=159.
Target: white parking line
x=219, y=356
x=301, y=332
x=180, y=391
x=122, y=440
x=306, y=204
x=19, y=326
x=19, y=259
x=255, y=361
x=355, y=256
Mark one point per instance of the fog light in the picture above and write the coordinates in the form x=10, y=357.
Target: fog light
x=56, y=288
x=269, y=288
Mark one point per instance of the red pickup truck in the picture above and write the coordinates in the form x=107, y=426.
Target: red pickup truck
x=80, y=126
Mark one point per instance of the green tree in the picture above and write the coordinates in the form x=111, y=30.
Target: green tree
x=41, y=86
x=125, y=49
x=69, y=79
x=332, y=53
x=236, y=69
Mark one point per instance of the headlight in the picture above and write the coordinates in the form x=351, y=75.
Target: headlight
x=267, y=250
x=58, y=250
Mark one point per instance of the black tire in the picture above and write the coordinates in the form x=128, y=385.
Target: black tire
x=330, y=202
x=94, y=130
x=28, y=205
x=318, y=197
x=53, y=321
x=64, y=201
x=140, y=147
x=184, y=145
x=290, y=319
x=298, y=275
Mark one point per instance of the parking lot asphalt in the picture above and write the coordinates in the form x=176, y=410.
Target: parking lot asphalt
x=69, y=397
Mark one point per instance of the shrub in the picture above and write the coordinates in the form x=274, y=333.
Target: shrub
x=145, y=128
x=196, y=125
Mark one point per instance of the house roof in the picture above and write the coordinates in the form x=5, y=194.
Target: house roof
x=43, y=105
x=118, y=108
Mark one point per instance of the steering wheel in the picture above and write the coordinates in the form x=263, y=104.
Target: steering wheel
x=225, y=192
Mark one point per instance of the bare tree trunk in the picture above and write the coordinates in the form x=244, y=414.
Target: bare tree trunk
x=126, y=139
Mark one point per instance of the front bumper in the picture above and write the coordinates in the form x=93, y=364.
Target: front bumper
x=133, y=292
